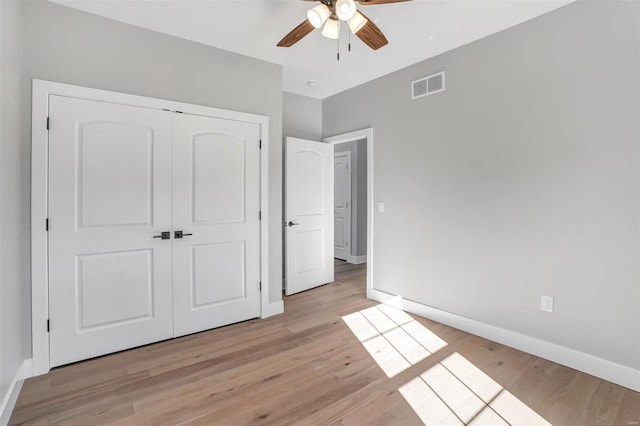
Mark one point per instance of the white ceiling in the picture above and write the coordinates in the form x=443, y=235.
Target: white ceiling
x=416, y=30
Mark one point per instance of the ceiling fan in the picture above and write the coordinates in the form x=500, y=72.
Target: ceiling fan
x=330, y=13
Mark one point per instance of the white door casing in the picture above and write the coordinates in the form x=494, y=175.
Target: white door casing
x=216, y=187
x=342, y=205
x=308, y=215
x=109, y=195
x=366, y=134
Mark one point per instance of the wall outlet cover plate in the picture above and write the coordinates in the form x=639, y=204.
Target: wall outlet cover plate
x=546, y=303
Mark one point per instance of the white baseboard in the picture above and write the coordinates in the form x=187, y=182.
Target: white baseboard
x=357, y=260
x=9, y=400
x=602, y=368
x=272, y=309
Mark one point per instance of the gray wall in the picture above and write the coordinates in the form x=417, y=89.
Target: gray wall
x=301, y=117
x=358, y=151
x=522, y=179
x=69, y=46
x=13, y=219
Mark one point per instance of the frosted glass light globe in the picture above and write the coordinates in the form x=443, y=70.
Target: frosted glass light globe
x=331, y=29
x=318, y=15
x=357, y=22
x=345, y=9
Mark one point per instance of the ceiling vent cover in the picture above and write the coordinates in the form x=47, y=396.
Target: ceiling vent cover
x=428, y=85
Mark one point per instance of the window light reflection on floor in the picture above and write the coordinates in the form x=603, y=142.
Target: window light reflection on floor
x=456, y=392
x=452, y=392
x=394, y=339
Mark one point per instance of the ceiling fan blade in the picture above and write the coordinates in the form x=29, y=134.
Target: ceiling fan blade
x=296, y=34
x=371, y=35
x=372, y=2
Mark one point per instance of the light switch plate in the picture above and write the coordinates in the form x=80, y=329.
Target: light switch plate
x=546, y=303
x=380, y=206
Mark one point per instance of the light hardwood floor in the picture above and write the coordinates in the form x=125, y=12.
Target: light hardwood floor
x=307, y=367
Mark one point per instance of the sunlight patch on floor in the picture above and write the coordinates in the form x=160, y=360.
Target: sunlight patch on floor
x=458, y=397
x=456, y=392
x=452, y=392
x=474, y=378
x=394, y=339
x=427, y=405
x=514, y=411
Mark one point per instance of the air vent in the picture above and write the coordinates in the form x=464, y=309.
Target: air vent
x=427, y=85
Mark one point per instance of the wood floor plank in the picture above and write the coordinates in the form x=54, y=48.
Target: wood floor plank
x=306, y=367
x=629, y=413
x=604, y=406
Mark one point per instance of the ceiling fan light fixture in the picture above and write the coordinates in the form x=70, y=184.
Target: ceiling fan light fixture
x=318, y=15
x=357, y=22
x=331, y=29
x=345, y=9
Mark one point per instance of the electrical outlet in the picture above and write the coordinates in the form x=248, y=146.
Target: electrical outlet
x=546, y=303
x=380, y=206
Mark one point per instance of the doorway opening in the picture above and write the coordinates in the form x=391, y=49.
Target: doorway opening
x=353, y=203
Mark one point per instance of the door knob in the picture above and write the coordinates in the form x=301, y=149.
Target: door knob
x=291, y=223
x=179, y=234
x=163, y=235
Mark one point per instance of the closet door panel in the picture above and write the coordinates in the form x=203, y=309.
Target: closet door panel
x=109, y=195
x=216, y=203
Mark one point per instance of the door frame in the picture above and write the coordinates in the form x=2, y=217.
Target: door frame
x=347, y=154
x=357, y=135
x=42, y=90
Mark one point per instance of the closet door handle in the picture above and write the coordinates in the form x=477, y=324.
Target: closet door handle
x=163, y=235
x=179, y=234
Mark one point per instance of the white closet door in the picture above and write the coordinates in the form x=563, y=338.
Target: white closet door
x=216, y=186
x=109, y=195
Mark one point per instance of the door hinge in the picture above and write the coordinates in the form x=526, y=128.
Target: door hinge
x=260, y=285
x=48, y=325
x=47, y=123
x=260, y=215
x=260, y=144
x=46, y=225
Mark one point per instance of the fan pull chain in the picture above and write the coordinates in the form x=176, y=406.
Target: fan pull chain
x=338, y=42
x=349, y=32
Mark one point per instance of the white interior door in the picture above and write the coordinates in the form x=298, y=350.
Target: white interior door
x=342, y=205
x=216, y=204
x=109, y=196
x=308, y=214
